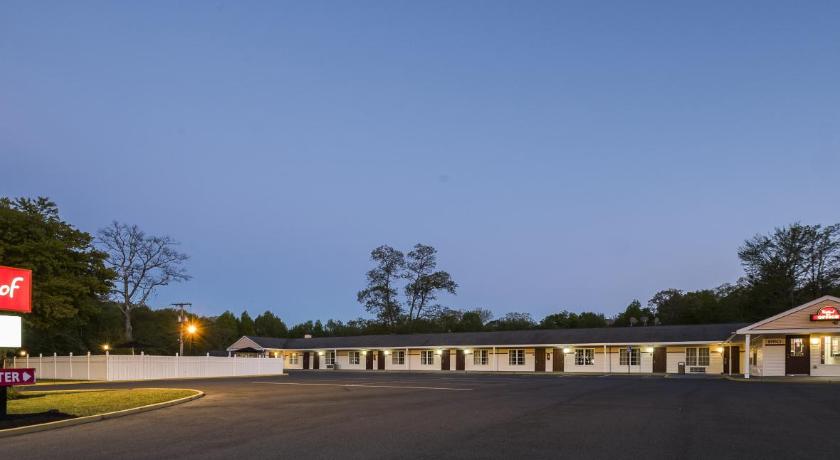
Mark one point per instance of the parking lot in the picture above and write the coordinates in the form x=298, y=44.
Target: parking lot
x=332, y=414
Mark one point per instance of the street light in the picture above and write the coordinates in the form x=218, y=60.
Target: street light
x=192, y=329
x=23, y=352
x=106, y=347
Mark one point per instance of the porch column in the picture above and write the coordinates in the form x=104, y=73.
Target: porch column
x=495, y=360
x=749, y=354
x=407, y=359
x=730, y=359
x=606, y=359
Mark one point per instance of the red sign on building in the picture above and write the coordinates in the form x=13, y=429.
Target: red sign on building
x=14, y=377
x=15, y=290
x=826, y=313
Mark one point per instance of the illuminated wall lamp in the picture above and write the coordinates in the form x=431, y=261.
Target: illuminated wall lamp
x=567, y=350
x=815, y=340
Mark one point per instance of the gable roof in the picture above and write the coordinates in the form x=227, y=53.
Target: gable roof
x=699, y=333
x=787, y=313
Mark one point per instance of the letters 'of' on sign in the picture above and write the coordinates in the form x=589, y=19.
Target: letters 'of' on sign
x=15, y=290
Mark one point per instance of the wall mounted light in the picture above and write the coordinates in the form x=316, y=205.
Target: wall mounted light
x=320, y=353
x=364, y=352
x=468, y=351
x=815, y=340
x=440, y=352
x=649, y=350
x=387, y=352
x=567, y=350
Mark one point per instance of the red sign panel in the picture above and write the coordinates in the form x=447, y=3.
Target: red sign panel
x=13, y=377
x=15, y=290
x=826, y=314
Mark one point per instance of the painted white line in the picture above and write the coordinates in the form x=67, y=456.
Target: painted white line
x=357, y=385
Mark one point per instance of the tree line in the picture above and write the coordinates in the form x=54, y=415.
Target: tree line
x=92, y=290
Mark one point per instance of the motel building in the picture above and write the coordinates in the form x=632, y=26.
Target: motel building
x=802, y=341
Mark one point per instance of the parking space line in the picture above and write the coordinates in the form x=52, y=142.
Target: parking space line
x=358, y=385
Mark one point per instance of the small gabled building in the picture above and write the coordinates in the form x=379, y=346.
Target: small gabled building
x=804, y=340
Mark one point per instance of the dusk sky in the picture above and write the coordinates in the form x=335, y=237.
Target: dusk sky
x=559, y=155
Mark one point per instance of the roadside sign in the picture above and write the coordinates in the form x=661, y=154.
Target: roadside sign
x=14, y=377
x=15, y=290
x=10, y=327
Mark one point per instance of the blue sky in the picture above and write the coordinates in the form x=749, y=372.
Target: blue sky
x=560, y=155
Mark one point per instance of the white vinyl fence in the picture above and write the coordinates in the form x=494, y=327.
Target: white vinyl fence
x=146, y=367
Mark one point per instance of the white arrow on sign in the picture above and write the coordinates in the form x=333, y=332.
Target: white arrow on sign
x=26, y=376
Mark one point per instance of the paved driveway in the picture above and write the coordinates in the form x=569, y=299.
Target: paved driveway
x=365, y=415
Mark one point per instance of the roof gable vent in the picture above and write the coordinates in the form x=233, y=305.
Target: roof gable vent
x=307, y=336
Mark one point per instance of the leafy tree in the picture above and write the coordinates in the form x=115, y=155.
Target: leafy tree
x=380, y=295
x=566, y=319
x=142, y=264
x=246, y=324
x=423, y=281
x=69, y=274
x=512, y=321
x=791, y=265
x=635, y=314
x=268, y=325
x=474, y=320
x=225, y=330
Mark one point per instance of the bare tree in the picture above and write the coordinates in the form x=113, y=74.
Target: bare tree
x=142, y=263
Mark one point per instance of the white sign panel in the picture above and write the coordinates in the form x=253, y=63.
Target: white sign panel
x=10, y=331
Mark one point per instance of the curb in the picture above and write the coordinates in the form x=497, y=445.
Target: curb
x=95, y=418
x=778, y=380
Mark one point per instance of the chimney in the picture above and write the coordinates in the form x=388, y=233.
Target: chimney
x=307, y=336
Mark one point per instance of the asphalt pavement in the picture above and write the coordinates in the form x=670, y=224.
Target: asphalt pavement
x=331, y=414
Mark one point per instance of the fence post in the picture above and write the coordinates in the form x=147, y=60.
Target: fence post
x=206, y=363
x=259, y=366
x=27, y=360
x=107, y=366
x=71, y=365
x=177, y=364
x=14, y=361
x=142, y=365
x=41, y=363
x=88, y=365
x=55, y=366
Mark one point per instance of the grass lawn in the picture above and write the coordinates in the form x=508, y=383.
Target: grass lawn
x=80, y=403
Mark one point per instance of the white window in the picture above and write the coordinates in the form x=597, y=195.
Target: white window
x=398, y=357
x=835, y=346
x=293, y=358
x=628, y=357
x=329, y=358
x=427, y=357
x=584, y=356
x=516, y=357
x=480, y=357
x=355, y=357
x=696, y=356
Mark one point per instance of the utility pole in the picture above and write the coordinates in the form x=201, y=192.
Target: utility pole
x=182, y=318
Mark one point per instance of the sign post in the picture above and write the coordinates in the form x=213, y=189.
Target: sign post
x=16, y=297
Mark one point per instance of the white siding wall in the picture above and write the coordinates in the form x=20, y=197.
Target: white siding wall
x=415, y=361
x=395, y=367
x=469, y=359
x=772, y=360
x=503, y=361
x=343, y=360
x=676, y=355
x=599, y=364
x=299, y=364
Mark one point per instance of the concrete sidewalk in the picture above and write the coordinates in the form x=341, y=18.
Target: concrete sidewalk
x=785, y=379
